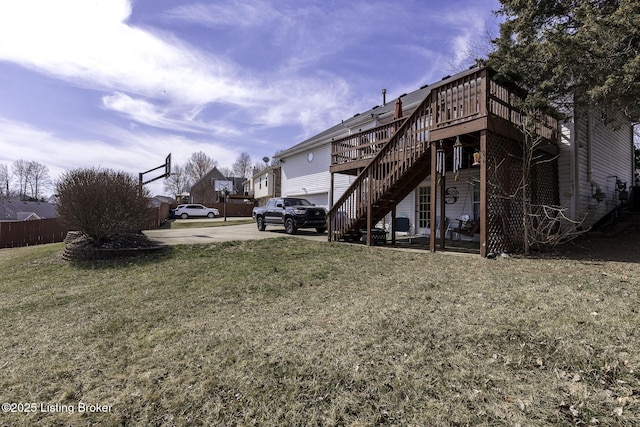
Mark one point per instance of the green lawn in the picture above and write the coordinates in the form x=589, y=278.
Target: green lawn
x=293, y=332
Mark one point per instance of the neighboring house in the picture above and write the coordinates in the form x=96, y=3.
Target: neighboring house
x=14, y=209
x=266, y=184
x=211, y=187
x=372, y=168
x=204, y=190
x=247, y=188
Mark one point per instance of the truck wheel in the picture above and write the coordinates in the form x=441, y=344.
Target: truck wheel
x=261, y=225
x=290, y=226
x=321, y=229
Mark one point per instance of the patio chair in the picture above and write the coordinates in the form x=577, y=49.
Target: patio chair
x=447, y=228
x=403, y=225
x=459, y=226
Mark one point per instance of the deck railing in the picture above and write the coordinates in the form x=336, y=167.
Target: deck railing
x=471, y=95
x=459, y=100
x=503, y=103
x=364, y=144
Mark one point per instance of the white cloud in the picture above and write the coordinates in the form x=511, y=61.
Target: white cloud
x=129, y=151
x=234, y=14
x=142, y=111
x=92, y=45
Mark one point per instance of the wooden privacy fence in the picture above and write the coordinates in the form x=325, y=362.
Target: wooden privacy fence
x=37, y=232
x=26, y=233
x=158, y=215
x=233, y=209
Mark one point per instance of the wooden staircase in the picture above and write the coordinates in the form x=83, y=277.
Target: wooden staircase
x=395, y=170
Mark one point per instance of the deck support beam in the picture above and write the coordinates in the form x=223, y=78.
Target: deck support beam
x=369, y=210
x=483, y=193
x=434, y=192
x=329, y=221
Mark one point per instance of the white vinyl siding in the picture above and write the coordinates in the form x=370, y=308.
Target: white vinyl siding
x=566, y=169
x=261, y=186
x=611, y=160
x=312, y=179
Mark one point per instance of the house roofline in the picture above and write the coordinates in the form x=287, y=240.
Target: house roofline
x=207, y=175
x=342, y=128
x=265, y=170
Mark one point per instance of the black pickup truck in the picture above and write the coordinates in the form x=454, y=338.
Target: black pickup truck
x=291, y=212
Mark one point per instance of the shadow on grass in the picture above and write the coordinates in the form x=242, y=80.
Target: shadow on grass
x=617, y=247
x=155, y=256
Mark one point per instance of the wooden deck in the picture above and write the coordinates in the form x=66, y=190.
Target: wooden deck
x=389, y=161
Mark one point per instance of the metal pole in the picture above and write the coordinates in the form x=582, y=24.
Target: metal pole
x=226, y=195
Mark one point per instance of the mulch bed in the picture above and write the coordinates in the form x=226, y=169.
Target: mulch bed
x=82, y=248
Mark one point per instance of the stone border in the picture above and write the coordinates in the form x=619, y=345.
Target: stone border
x=77, y=248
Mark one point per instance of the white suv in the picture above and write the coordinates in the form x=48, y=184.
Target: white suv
x=188, y=211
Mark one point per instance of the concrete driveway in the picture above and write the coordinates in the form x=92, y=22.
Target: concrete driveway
x=225, y=233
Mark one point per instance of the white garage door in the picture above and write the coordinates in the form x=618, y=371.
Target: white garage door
x=321, y=199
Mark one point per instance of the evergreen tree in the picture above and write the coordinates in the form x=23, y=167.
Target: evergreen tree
x=565, y=51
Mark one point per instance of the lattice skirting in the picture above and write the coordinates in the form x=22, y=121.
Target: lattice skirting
x=505, y=229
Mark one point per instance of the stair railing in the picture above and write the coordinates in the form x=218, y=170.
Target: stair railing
x=391, y=162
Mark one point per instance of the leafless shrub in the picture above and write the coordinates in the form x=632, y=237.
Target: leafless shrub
x=548, y=227
x=101, y=203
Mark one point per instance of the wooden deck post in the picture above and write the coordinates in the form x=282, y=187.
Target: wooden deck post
x=483, y=194
x=434, y=192
x=393, y=224
x=442, y=210
x=329, y=221
x=369, y=209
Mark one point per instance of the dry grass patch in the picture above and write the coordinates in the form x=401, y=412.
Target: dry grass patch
x=293, y=332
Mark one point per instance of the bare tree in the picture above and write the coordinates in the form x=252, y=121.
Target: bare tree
x=475, y=52
x=37, y=178
x=226, y=172
x=242, y=166
x=258, y=166
x=5, y=181
x=198, y=165
x=178, y=182
x=20, y=170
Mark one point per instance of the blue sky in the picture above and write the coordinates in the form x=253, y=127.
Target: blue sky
x=120, y=84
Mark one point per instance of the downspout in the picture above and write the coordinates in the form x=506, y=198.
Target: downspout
x=575, y=169
x=633, y=153
x=598, y=195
